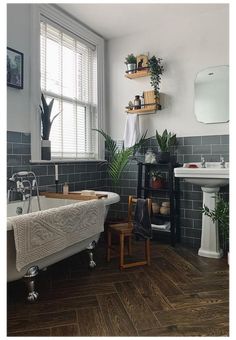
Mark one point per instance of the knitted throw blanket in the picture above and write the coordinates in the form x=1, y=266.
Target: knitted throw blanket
x=44, y=233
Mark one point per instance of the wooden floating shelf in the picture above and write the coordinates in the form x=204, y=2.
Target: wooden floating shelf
x=151, y=104
x=138, y=74
x=144, y=110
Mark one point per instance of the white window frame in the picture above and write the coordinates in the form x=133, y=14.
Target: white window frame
x=70, y=24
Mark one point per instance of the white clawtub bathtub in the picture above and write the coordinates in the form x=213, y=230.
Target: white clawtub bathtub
x=46, y=203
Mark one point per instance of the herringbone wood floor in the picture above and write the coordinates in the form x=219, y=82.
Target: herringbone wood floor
x=180, y=294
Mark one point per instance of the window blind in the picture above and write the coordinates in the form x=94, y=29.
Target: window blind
x=69, y=75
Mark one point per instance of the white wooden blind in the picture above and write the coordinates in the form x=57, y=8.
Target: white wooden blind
x=69, y=75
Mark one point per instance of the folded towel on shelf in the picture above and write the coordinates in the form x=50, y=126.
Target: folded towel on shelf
x=142, y=224
x=165, y=226
x=132, y=130
x=44, y=233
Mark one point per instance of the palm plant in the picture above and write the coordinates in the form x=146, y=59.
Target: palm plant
x=46, y=110
x=119, y=158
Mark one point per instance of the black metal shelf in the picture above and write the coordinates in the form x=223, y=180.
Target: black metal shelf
x=171, y=190
x=155, y=190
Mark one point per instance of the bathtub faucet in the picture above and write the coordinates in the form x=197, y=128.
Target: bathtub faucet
x=26, y=182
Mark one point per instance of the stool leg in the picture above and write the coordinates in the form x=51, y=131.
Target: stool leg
x=121, y=251
x=108, y=246
x=129, y=245
x=147, y=251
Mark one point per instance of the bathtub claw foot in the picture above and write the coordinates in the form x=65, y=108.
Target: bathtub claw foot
x=92, y=263
x=29, y=278
x=32, y=296
x=91, y=246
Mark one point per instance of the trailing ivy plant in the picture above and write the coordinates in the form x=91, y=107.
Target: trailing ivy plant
x=221, y=215
x=156, y=69
x=118, y=158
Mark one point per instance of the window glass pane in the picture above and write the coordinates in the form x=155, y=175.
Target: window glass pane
x=53, y=68
x=68, y=72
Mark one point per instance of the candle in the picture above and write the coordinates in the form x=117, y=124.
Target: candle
x=56, y=172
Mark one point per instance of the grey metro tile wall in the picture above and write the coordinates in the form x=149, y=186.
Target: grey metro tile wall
x=93, y=175
x=18, y=159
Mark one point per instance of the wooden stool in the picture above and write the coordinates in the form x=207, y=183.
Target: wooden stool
x=124, y=231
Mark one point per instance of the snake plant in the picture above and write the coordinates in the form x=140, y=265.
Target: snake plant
x=46, y=110
x=119, y=158
x=165, y=140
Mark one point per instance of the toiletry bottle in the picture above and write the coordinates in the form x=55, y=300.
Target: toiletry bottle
x=65, y=189
x=137, y=102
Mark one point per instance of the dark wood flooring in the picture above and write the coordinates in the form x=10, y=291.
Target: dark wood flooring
x=180, y=294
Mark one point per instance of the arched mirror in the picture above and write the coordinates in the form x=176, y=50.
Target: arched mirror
x=211, y=95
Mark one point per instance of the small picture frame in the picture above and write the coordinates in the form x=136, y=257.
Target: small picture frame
x=15, y=62
x=142, y=61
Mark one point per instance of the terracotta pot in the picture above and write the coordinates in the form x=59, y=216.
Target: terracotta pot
x=157, y=184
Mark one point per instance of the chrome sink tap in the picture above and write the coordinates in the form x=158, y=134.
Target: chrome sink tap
x=222, y=162
x=203, y=162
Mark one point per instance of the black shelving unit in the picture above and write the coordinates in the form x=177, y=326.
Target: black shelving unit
x=171, y=193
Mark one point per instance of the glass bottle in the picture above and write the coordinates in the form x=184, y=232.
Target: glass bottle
x=137, y=102
x=65, y=189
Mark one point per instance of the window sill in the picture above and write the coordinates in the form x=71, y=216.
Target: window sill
x=68, y=161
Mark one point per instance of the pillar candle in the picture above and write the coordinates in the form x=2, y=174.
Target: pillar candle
x=56, y=172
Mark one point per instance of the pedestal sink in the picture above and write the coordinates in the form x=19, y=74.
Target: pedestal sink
x=210, y=178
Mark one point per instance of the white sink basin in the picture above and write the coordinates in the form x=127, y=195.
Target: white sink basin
x=210, y=179
x=211, y=176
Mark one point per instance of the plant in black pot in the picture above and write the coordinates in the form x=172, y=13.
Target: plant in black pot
x=131, y=62
x=46, y=110
x=165, y=141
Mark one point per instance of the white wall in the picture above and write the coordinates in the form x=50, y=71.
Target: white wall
x=18, y=38
x=186, y=46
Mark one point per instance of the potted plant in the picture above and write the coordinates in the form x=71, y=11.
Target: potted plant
x=46, y=110
x=155, y=69
x=131, y=62
x=157, y=179
x=118, y=158
x=165, y=141
x=220, y=215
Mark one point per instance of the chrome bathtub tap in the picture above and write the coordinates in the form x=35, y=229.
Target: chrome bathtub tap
x=203, y=162
x=222, y=162
x=26, y=183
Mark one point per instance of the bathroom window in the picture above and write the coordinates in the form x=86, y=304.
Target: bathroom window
x=68, y=66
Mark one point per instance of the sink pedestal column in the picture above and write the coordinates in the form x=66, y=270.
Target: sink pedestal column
x=210, y=246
